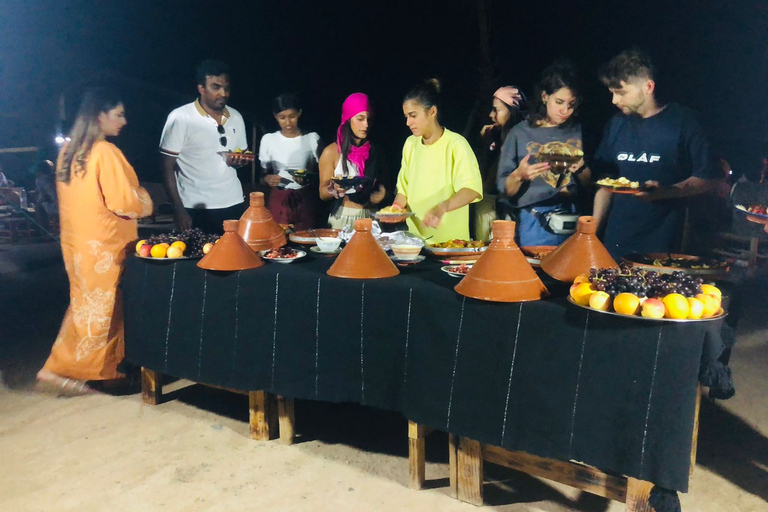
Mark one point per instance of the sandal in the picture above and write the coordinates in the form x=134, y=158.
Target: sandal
x=49, y=382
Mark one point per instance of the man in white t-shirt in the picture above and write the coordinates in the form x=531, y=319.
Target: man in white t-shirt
x=201, y=182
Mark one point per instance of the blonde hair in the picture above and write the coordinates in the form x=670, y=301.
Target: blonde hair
x=85, y=132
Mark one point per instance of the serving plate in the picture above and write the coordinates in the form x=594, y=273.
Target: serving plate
x=168, y=259
x=245, y=156
x=299, y=254
x=532, y=253
x=412, y=259
x=720, y=314
x=350, y=181
x=392, y=217
x=451, y=252
x=451, y=270
x=305, y=237
x=317, y=250
x=645, y=261
x=757, y=218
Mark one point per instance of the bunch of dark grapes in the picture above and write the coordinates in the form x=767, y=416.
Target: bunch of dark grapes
x=194, y=239
x=643, y=283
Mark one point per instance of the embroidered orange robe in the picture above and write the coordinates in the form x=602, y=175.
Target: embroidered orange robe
x=97, y=214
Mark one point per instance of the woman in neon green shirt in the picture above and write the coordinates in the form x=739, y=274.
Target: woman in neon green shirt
x=439, y=176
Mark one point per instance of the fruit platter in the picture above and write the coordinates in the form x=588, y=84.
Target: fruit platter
x=647, y=294
x=282, y=255
x=621, y=185
x=755, y=213
x=534, y=253
x=456, y=270
x=456, y=248
x=176, y=245
x=671, y=262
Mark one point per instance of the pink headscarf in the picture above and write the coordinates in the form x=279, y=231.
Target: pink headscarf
x=509, y=95
x=353, y=105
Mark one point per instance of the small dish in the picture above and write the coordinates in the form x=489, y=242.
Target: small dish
x=405, y=251
x=328, y=243
x=456, y=270
x=295, y=255
x=317, y=250
x=407, y=259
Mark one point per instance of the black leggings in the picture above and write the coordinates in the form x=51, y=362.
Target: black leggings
x=212, y=220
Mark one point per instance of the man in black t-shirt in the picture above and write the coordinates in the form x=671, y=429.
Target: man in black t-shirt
x=661, y=146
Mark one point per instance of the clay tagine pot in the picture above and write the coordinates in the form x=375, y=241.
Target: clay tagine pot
x=581, y=252
x=363, y=257
x=230, y=252
x=258, y=228
x=502, y=274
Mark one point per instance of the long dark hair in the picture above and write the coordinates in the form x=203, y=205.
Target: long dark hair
x=516, y=114
x=559, y=74
x=427, y=94
x=85, y=131
x=347, y=138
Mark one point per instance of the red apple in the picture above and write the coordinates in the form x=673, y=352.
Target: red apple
x=145, y=251
x=652, y=308
x=600, y=300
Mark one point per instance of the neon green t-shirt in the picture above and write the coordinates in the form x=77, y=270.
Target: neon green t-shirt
x=431, y=174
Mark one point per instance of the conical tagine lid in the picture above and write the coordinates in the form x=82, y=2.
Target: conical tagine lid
x=230, y=252
x=363, y=257
x=502, y=274
x=258, y=228
x=582, y=251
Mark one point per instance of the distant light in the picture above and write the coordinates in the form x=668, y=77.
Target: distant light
x=60, y=139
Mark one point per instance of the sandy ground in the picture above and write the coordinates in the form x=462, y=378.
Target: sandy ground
x=194, y=453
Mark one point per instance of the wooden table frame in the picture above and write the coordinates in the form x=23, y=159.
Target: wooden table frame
x=466, y=457
x=271, y=416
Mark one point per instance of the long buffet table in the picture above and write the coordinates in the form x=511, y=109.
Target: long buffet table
x=545, y=378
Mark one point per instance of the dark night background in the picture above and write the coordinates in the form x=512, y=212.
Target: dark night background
x=712, y=55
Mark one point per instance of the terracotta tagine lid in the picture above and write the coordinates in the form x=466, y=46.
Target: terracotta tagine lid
x=581, y=252
x=363, y=257
x=502, y=274
x=230, y=252
x=258, y=228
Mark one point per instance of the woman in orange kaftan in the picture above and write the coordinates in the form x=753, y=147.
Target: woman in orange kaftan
x=99, y=202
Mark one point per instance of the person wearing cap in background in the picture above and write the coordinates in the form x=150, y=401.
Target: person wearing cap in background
x=506, y=112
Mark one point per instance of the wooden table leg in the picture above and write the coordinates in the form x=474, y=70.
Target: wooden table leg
x=263, y=415
x=695, y=439
x=287, y=419
x=416, y=455
x=470, y=471
x=151, y=386
x=638, y=492
x=453, y=465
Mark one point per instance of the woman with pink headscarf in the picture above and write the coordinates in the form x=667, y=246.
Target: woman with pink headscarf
x=351, y=156
x=506, y=112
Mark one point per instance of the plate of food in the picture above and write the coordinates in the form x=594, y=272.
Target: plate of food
x=559, y=155
x=453, y=248
x=392, y=214
x=755, y=213
x=282, y=255
x=247, y=155
x=621, y=185
x=309, y=237
x=350, y=181
x=666, y=263
x=534, y=253
x=456, y=270
x=188, y=244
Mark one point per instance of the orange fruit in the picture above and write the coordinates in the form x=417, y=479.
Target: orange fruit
x=581, y=293
x=159, y=250
x=696, y=308
x=711, y=290
x=676, y=306
x=207, y=247
x=626, y=303
x=181, y=245
x=139, y=244
x=174, y=251
x=711, y=304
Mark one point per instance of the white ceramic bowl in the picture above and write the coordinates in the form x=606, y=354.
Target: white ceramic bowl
x=406, y=252
x=328, y=244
